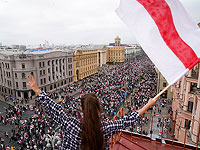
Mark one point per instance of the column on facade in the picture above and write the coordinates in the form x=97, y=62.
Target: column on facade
x=186, y=95
x=51, y=72
x=65, y=60
x=54, y=63
x=196, y=124
x=182, y=87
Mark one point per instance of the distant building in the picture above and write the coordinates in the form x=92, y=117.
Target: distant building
x=132, y=51
x=51, y=69
x=161, y=84
x=19, y=47
x=116, y=53
x=86, y=60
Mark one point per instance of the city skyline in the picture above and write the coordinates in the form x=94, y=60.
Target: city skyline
x=67, y=22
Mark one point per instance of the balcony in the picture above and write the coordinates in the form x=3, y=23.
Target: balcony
x=130, y=140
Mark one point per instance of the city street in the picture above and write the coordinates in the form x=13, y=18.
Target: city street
x=8, y=127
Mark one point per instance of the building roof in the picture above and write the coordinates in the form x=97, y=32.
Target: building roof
x=32, y=51
x=90, y=47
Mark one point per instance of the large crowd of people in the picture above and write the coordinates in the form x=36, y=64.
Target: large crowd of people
x=128, y=84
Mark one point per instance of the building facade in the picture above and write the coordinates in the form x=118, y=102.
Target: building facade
x=52, y=69
x=132, y=51
x=161, y=84
x=87, y=59
x=186, y=105
x=116, y=53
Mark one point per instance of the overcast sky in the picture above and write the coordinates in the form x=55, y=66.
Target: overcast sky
x=31, y=22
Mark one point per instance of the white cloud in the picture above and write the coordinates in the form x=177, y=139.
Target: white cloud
x=66, y=21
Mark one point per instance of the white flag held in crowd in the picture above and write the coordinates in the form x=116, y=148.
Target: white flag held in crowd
x=166, y=33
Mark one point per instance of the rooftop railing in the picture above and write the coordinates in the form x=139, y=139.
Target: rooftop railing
x=168, y=136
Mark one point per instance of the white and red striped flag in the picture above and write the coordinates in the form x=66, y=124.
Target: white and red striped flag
x=166, y=33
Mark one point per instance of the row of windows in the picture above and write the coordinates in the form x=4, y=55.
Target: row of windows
x=9, y=91
x=60, y=84
x=43, y=81
x=88, y=61
x=115, y=54
x=88, y=68
x=7, y=65
x=42, y=64
x=23, y=84
x=42, y=72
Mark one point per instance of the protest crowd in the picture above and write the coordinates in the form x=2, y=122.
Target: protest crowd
x=128, y=84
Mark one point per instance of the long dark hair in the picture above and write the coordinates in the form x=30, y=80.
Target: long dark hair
x=91, y=135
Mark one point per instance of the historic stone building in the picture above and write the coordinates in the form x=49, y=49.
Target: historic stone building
x=116, y=53
x=51, y=69
x=87, y=59
x=161, y=84
x=186, y=105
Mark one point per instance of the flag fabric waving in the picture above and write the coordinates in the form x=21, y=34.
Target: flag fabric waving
x=166, y=32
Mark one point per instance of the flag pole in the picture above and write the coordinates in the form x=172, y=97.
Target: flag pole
x=158, y=95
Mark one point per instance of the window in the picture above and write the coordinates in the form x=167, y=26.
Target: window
x=190, y=106
x=44, y=80
x=69, y=60
x=187, y=123
x=40, y=72
x=70, y=66
x=40, y=64
x=23, y=75
x=43, y=72
x=43, y=64
x=23, y=66
x=49, y=78
x=164, y=84
x=19, y=94
x=24, y=84
x=56, y=68
x=16, y=75
x=48, y=70
x=193, y=86
x=48, y=63
x=17, y=86
x=41, y=81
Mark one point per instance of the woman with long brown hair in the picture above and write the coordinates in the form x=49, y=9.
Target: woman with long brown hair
x=91, y=133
